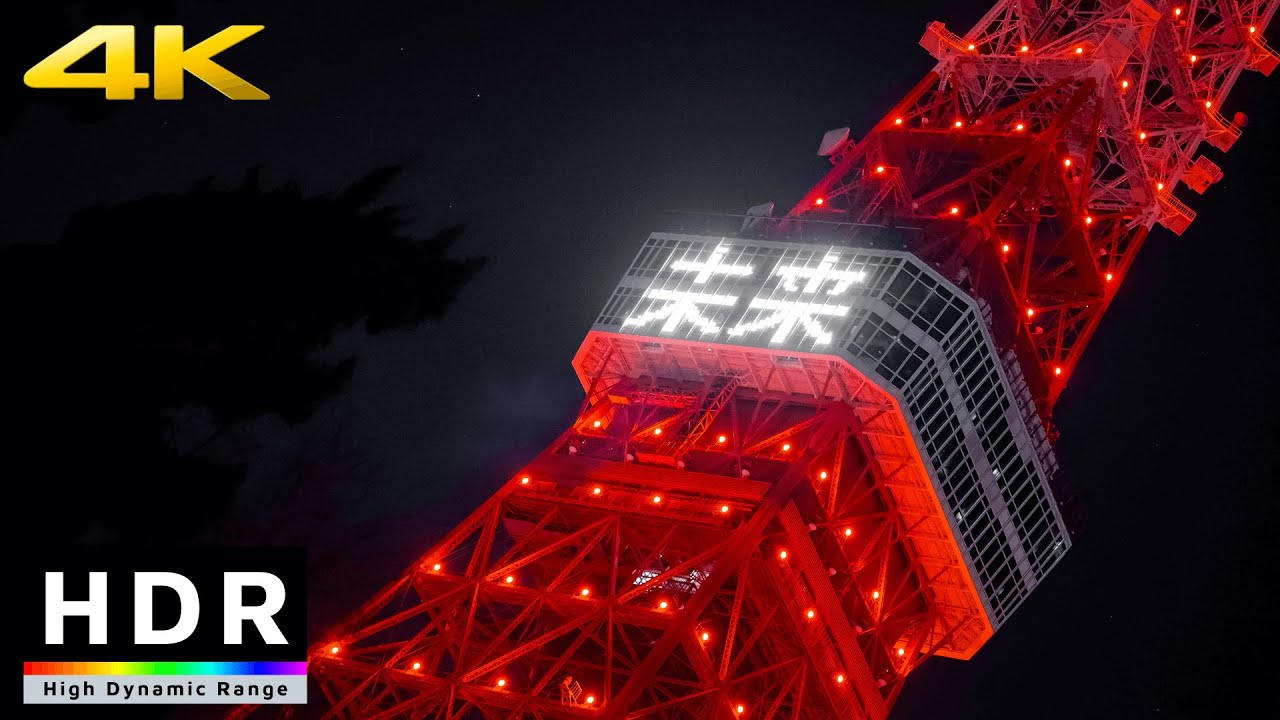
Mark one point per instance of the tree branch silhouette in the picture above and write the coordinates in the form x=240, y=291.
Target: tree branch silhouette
x=216, y=299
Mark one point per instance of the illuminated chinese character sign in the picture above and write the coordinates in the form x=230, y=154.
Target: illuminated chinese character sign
x=676, y=307
x=744, y=292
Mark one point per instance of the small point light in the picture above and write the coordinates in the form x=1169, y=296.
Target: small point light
x=897, y=121
x=511, y=579
x=1159, y=186
x=740, y=709
x=1066, y=162
x=958, y=124
x=972, y=47
x=786, y=447
x=875, y=594
x=811, y=614
x=585, y=592
x=1124, y=84
x=657, y=431
x=1208, y=103
x=417, y=666
x=706, y=636
x=502, y=682
x=840, y=679
x=1110, y=277
x=1079, y=51
x=435, y=568
x=334, y=650
x=722, y=439
x=782, y=555
x=1142, y=134
x=657, y=499
x=822, y=475
x=955, y=210
x=663, y=605
x=901, y=652
x=1026, y=48
x=1020, y=127
x=1057, y=370
x=818, y=201
x=848, y=532
x=591, y=699
x=1177, y=12
x=1253, y=29
x=597, y=490
x=596, y=424
x=524, y=480
x=724, y=508
x=879, y=168
x=1005, y=248
x=1194, y=58
x=1031, y=312
x=1088, y=219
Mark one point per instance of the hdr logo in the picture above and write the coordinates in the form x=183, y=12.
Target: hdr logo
x=173, y=60
x=57, y=608
x=217, y=625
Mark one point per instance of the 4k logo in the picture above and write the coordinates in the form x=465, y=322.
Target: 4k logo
x=173, y=60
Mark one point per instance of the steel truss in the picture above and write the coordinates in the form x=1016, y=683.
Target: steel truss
x=764, y=541
x=1044, y=146
x=681, y=551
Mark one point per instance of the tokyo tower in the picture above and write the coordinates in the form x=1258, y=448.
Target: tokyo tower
x=816, y=449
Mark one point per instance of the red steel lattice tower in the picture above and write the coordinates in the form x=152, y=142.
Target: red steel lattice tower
x=814, y=450
x=1044, y=146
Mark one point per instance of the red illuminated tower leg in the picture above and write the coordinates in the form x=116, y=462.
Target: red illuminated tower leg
x=589, y=584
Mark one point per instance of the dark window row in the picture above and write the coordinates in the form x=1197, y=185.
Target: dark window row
x=1019, y=484
x=619, y=306
x=924, y=301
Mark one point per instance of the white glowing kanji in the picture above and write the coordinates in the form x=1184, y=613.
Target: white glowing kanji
x=786, y=315
x=686, y=305
x=817, y=276
x=682, y=306
x=713, y=265
x=802, y=312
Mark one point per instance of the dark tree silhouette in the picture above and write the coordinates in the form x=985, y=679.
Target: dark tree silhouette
x=154, y=326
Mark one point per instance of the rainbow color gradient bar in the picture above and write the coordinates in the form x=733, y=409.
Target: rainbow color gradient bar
x=164, y=668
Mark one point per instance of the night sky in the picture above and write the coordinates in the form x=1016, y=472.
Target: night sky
x=558, y=133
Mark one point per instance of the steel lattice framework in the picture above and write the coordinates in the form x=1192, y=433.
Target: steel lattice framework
x=1045, y=145
x=673, y=583
x=735, y=528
